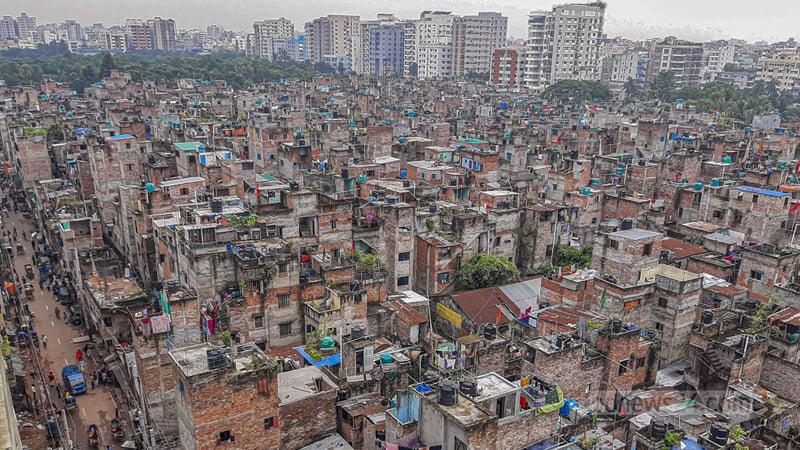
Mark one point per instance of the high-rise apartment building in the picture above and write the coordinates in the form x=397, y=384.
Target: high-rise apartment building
x=620, y=68
x=116, y=40
x=383, y=46
x=26, y=26
x=429, y=45
x=336, y=40
x=781, y=68
x=475, y=38
x=683, y=58
x=162, y=34
x=564, y=44
x=508, y=65
x=139, y=37
x=8, y=28
x=73, y=30
x=270, y=36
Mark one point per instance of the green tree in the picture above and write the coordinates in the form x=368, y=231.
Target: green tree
x=485, y=271
x=106, y=64
x=632, y=88
x=663, y=85
x=575, y=91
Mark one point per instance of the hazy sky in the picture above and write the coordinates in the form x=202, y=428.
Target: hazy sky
x=692, y=19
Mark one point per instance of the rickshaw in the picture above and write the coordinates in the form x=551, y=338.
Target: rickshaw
x=92, y=436
x=69, y=401
x=20, y=248
x=28, y=291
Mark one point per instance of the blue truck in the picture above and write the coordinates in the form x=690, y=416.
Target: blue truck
x=73, y=380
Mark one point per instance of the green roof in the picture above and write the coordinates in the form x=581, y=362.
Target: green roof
x=188, y=146
x=472, y=141
x=266, y=177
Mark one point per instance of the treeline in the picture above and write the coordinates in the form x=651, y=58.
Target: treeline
x=55, y=62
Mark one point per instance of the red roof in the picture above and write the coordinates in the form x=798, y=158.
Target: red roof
x=564, y=315
x=789, y=316
x=480, y=305
x=681, y=249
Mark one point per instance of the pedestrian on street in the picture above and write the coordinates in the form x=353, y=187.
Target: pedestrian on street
x=94, y=379
x=79, y=355
x=44, y=343
x=58, y=389
x=83, y=365
x=51, y=377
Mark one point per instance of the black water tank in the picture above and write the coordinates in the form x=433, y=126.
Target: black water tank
x=627, y=224
x=406, y=183
x=468, y=388
x=216, y=358
x=430, y=376
x=294, y=186
x=489, y=332
x=356, y=333
x=216, y=206
x=616, y=326
x=658, y=429
x=718, y=434
x=432, y=207
x=345, y=174
x=708, y=317
x=447, y=395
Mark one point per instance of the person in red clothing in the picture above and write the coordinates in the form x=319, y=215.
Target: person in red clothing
x=79, y=355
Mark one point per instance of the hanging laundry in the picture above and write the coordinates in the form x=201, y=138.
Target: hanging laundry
x=159, y=324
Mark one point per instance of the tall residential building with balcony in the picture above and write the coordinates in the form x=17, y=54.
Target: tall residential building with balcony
x=429, y=45
x=26, y=26
x=475, y=38
x=682, y=58
x=384, y=46
x=564, y=44
x=162, y=34
x=781, y=68
x=269, y=34
x=619, y=68
x=336, y=39
x=8, y=28
x=138, y=34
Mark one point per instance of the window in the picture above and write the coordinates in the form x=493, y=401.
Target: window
x=107, y=321
x=647, y=250
x=285, y=329
x=697, y=197
x=226, y=436
x=756, y=275
x=717, y=214
x=130, y=167
x=283, y=300
x=659, y=326
x=269, y=422
x=612, y=244
x=755, y=199
x=594, y=220
x=458, y=445
x=623, y=367
x=184, y=191
x=640, y=362
x=404, y=256
x=333, y=224
x=402, y=281
x=444, y=277
x=259, y=321
x=662, y=302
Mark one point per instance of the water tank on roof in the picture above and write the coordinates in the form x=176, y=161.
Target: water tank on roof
x=327, y=342
x=718, y=434
x=586, y=191
x=698, y=186
x=742, y=174
x=658, y=428
x=595, y=181
x=791, y=179
x=627, y=224
x=447, y=395
x=708, y=317
x=356, y=332
x=216, y=206
x=563, y=341
x=403, y=173
x=216, y=358
x=727, y=160
x=489, y=332
x=619, y=171
x=468, y=388
x=616, y=326
x=715, y=182
x=782, y=164
x=569, y=405
x=386, y=358
x=150, y=187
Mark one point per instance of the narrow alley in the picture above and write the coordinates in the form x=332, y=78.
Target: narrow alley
x=98, y=405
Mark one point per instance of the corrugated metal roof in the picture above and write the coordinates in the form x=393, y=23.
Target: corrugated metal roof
x=759, y=191
x=789, y=315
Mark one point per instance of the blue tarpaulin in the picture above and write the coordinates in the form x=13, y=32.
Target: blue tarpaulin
x=329, y=361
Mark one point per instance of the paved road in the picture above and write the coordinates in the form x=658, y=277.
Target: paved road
x=97, y=405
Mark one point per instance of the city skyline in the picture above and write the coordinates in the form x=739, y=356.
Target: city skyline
x=624, y=18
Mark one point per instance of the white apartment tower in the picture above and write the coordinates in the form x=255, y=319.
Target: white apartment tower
x=26, y=25
x=429, y=45
x=475, y=38
x=564, y=44
x=336, y=39
x=162, y=34
x=269, y=34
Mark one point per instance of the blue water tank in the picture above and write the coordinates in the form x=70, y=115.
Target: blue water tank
x=595, y=181
x=619, y=171
x=362, y=178
x=698, y=186
x=150, y=187
x=503, y=105
x=727, y=160
x=569, y=405
x=412, y=114
x=791, y=179
x=586, y=191
x=715, y=182
x=403, y=173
